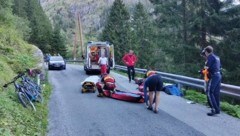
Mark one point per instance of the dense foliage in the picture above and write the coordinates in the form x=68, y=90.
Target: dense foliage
x=16, y=54
x=117, y=30
x=37, y=28
x=171, y=37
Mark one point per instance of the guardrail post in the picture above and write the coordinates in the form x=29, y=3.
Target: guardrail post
x=38, y=79
x=179, y=86
x=205, y=86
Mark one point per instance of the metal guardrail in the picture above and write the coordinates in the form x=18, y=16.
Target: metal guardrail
x=74, y=60
x=226, y=89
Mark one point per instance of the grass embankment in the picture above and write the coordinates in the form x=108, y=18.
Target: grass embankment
x=231, y=109
x=16, y=55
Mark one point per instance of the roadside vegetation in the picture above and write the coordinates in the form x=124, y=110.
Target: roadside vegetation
x=16, y=55
x=226, y=106
x=16, y=120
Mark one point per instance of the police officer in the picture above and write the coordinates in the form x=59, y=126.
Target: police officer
x=154, y=83
x=213, y=66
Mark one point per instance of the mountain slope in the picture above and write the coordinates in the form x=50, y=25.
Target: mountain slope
x=93, y=13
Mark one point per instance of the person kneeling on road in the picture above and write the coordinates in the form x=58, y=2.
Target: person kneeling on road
x=107, y=83
x=154, y=83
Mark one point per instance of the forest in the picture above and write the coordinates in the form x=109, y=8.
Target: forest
x=171, y=37
x=167, y=36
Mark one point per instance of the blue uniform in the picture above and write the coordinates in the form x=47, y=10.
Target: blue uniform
x=214, y=84
x=154, y=83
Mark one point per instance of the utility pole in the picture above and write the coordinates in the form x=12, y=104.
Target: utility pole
x=75, y=47
x=80, y=34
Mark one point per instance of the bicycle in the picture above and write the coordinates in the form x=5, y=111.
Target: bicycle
x=31, y=83
x=32, y=89
x=21, y=92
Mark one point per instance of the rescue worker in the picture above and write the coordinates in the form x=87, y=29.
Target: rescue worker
x=213, y=66
x=107, y=83
x=154, y=84
x=130, y=60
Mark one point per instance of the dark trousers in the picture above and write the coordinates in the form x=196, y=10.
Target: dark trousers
x=214, y=92
x=208, y=100
x=131, y=76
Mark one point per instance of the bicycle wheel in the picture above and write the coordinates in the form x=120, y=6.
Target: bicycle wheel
x=25, y=101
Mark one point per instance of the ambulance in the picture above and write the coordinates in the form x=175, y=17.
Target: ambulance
x=94, y=50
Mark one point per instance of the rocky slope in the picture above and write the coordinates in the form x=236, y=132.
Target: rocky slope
x=92, y=12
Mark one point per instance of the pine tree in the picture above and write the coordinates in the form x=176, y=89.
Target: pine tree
x=229, y=48
x=117, y=30
x=5, y=12
x=58, y=42
x=143, y=37
x=172, y=37
x=188, y=26
x=39, y=24
x=19, y=8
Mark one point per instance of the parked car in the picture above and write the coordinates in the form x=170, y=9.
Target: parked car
x=56, y=62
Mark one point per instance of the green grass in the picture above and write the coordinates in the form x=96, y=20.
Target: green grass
x=15, y=120
x=233, y=110
x=195, y=96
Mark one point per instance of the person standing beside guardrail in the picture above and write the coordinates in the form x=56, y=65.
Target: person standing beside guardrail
x=205, y=76
x=154, y=84
x=213, y=66
x=130, y=60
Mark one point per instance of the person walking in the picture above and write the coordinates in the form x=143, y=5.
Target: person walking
x=130, y=60
x=103, y=62
x=213, y=66
x=154, y=84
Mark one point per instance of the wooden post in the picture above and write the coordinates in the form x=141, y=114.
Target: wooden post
x=80, y=34
x=75, y=47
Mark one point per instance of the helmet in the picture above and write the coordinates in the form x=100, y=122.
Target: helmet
x=93, y=49
x=108, y=78
x=150, y=73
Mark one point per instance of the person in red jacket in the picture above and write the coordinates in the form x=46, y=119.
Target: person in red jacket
x=130, y=60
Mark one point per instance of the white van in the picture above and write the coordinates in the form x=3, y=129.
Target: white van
x=93, y=53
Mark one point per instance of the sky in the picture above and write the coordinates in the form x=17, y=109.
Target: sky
x=235, y=1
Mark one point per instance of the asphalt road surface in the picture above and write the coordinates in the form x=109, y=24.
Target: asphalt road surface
x=75, y=114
